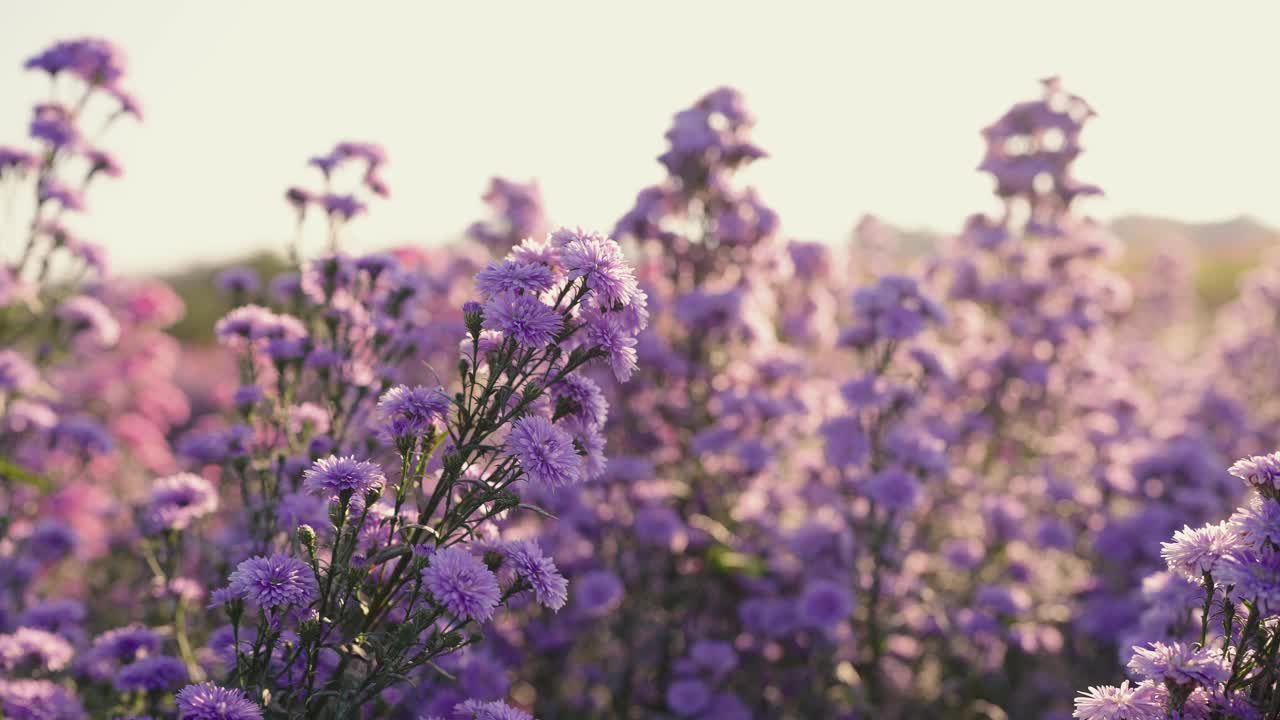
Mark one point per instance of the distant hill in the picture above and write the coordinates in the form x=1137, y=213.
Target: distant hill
x=1237, y=235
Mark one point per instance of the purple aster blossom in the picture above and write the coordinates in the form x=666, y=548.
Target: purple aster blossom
x=84, y=433
x=207, y=701
x=274, y=581
x=514, y=276
x=1180, y=664
x=38, y=700
x=93, y=60
x=69, y=198
x=607, y=332
x=533, y=250
x=1256, y=574
x=56, y=616
x=12, y=158
x=101, y=161
x=16, y=372
x=1108, y=702
x=718, y=658
x=125, y=644
x=1257, y=525
x=243, y=323
x=333, y=476
x=247, y=396
x=88, y=317
x=893, y=488
x=177, y=501
x=688, y=697
x=599, y=260
x=50, y=541
x=846, y=441
x=597, y=593
x=33, y=648
x=546, y=453
x=549, y=587
x=492, y=710
x=1195, y=552
x=1260, y=471
x=411, y=412
x=238, y=280
x=519, y=214
x=523, y=317
x=54, y=125
x=824, y=603
x=342, y=206
x=153, y=673
x=462, y=584
x=591, y=407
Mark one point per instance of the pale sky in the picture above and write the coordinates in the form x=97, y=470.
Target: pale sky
x=864, y=107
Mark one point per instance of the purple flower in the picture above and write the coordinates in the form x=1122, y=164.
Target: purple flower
x=238, y=280
x=1256, y=574
x=50, y=541
x=549, y=587
x=412, y=412
x=597, y=593
x=1258, y=524
x=157, y=672
x=38, y=700
x=688, y=697
x=177, y=501
x=846, y=442
x=16, y=372
x=1180, y=664
x=207, y=701
x=1195, y=552
x=494, y=710
x=88, y=317
x=589, y=404
x=1108, y=702
x=54, y=125
x=342, y=206
x=462, y=584
x=607, y=332
x=333, y=476
x=274, y=581
x=514, y=276
x=893, y=488
x=523, y=317
x=824, y=603
x=599, y=260
x=545, y=452
x=1261, y=471
x=39, y=649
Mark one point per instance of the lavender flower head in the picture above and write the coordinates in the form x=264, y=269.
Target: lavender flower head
x=525, y=318
x=545, y=452
x=154, y=673
x=207, y=701
x=1180, y=664
x=462, y=584
x=1195, y=552
x=40, y=649
x=549, y=587
x=411, y=412
x=1108, y=702
x=274, y=581
x=492, y=710
x=177, y=501
x=38, y=700
x=333, y=476
x=1260, y=471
